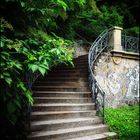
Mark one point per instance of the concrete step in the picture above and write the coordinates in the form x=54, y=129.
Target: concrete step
x=102, y=136
x=53, y=86
x=63, y=107
x=59, y=88
x=67, y=73
x=61, y=100
x=72, y=75
x=80, y=61
x=63, y=134
x=61, y=94
x=63, y=123
x=76, y=66
x=55, y=83
x=58, y=71
x=51, y=115
x=61, y=73
x=64, y=89
x=82, y=57
x=84, y=70
x=69, y=79
x=65, y=76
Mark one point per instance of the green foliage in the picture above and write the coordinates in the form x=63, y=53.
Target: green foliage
x=98, y=21
x=124, y=121
x=133, y=31
x=35, y=37
x=37, y=52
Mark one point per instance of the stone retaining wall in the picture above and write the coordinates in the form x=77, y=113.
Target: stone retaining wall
x=118, y=75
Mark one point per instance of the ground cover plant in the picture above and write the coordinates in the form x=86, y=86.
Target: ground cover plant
x=124, y=121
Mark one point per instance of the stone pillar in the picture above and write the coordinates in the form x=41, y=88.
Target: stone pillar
x=115, y=38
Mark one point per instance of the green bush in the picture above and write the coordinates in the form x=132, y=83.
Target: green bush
x=134, y=31
x=124, y=121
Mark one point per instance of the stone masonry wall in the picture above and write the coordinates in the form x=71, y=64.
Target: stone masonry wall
x=119, y=77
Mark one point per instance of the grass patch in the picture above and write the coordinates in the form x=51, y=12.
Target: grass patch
x=124, y=121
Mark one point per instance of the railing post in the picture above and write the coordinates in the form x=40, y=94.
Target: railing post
x=115, y=38
x=103, y=106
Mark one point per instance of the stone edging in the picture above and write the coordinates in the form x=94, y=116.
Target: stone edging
x=123, y=54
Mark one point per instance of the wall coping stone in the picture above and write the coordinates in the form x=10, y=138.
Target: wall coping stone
x=115, y=27
x=124, y=54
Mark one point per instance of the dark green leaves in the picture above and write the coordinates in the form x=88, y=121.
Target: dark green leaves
x=8, y=80
x=33, y=67
x=22, y=4
x=29, y=47
x=42, y=70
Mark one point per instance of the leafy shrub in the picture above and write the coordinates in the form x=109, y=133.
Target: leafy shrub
x=38, y=52
x=133, y=31
x=124, y=121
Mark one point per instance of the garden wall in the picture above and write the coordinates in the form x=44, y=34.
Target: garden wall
x=118, y=74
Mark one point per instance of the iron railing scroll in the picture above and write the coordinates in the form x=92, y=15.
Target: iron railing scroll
x=130, y=44
x=99, y=45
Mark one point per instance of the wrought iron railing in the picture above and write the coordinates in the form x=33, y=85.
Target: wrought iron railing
x=99, y=45
x=30, y=79
x=130, y=44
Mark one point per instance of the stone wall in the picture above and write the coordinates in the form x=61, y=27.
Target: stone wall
x=118, y=75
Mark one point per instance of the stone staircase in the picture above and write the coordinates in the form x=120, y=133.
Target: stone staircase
x=63, y=107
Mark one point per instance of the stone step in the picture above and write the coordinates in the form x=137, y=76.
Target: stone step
x=70, y=79
x=65, y=76
x=61, y=94
x=64, y=89
x=55, y=83
x=77, y=64
x=61, y=100
x=82, y=57
x=63, y=107
x=63, y=123
x=60, y=88
x=50, y=115
x=63, y=134
x=80, y=61
x=63, y=72
x=103, y=136
x=63, y=86
x=69, y=74
x=75, y=67
x=84, y=70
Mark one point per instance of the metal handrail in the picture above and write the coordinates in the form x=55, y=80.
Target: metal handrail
x=98, y=46
x=98, y=94
x=30, y=79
